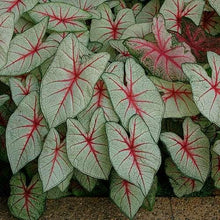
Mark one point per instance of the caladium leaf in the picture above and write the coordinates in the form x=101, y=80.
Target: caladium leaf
x=215, y=5
x=27, y=51
x=101, y=99
x=26, y=202
x=56, y=193
x=206, y=90
x=161, y=58
x=88, y=150
x=63, y=186
x=62, y=17
x=3, y=98
x=136, y=158
x=182, y=185
x=22, y=25
x=85, y=181
x=216, y=147
x=95, y=47
x=215, y=172
x=199, y=41
x=108, y=28
x=25, y=131
x=136, y=8
x=136, y=95
x=21, y=89
x=177, y=97
x=125, y=195
x=148, y=12
x=174, y=10
x=6, y=32
x=18, y=7
x=190, y=154
x=210, y=22
x=53, y=163
x=68, y=85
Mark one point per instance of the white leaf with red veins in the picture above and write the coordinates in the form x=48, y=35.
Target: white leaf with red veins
x=206, y=90
x=68, y=85
x=121, y=49
x=18, y=7
x=27, y=51
x=136, y=8
x=135, y=157
x=62, y=17
x=21, y=89
x=101, y=98
x=136, y=95
x=161, y=58
x=88, y=150
x=182, y=185
x=53, y=163
x=3, y=98
x=177, y=97
x=22, y=25
x=125, y=195
x=174, y=10
x=190, y=154
x=215, y=4
x=215, y=172
x=148, y=12
x=108, y=28
x=6, y=32
x=26, y=202
x=85, y=181
x=25, y=132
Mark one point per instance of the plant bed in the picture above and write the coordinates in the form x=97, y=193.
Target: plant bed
x=108, y=98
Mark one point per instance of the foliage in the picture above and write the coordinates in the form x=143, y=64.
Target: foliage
x=108, y=97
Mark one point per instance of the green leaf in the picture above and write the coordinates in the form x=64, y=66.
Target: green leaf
x=190, y=154
x=3, y=98
x=216, y=147
x=63, y=186
x=88, y=150
x=26, y=202
x=215, y=172
x=215, y=5
x=135, y=157
x=25, y=132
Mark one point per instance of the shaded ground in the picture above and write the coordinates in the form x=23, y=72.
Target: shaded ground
x=72, y=208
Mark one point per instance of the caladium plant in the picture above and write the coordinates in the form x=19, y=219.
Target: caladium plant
x=93, y=94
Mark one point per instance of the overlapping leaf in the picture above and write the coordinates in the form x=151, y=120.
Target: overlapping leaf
x=53, y=163
x=22, y=25
x=190, y=154
x=215, y=5
x=206, y=90
x=27, y=51
x=26, y=202
x=88, y=151
x=6, y=32
x=3, y=98
x=174, y=10
x=177, y=97
x=125, y=195
x=161, y=58
x=215, y=173
x=182, y=185
x=63, y=186
x=216, y=147
x=68, y=84
x=136, y=95
x=25, y=131
x=62, y=17
x=136, y=158
x=21, y=89
x=18, y=7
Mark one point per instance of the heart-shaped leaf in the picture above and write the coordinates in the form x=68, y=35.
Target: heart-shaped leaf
x=215, y=173
x=25, y=131
x=26, y=202
x=206, y=90
x=88, y=151
x=62, y=17
x=136, y=158
x=18, y=7
x=162, y=58
x=6, y=32
x=27, y=51
x=182, y=185
x=53, y=163
x=68, y=85
x=174, y=10
x=136, y=95
x=177, y=97
x=21, y=89
x=190, y=154
x=125, y=195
